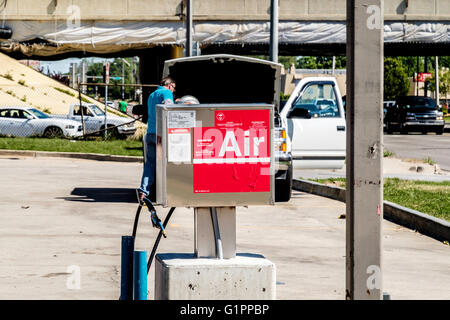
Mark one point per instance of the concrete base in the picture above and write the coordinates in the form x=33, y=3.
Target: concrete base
x=184, y=277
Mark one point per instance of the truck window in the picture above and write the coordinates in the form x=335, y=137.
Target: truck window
x=77, y=111
x=320, y=100
x=97, y=110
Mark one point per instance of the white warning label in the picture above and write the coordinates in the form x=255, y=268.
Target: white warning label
x=181, y=119
x=179, y=145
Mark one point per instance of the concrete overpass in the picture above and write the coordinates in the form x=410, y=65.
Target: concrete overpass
x=64, y=27
x=154, y=29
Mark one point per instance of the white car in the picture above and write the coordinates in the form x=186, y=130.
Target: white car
x=27, y=121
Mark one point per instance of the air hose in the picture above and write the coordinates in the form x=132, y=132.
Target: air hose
x=128, y=247
x=155, y=246
x=156, y=222
x=136, y=220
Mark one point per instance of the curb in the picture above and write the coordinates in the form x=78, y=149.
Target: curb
x=73, y=155
x=438, y=229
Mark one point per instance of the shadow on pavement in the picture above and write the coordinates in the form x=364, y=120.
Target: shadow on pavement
x=102, y=195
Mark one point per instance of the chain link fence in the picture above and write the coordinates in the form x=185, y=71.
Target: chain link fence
x=44, y=107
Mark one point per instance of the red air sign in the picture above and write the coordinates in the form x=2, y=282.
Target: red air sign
x=234, y=155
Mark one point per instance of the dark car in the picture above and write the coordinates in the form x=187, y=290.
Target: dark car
x=414, y=114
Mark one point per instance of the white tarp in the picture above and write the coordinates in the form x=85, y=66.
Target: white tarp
x=104, y=36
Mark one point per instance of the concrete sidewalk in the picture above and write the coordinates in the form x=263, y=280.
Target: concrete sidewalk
x=61, y=215
x=409, y=169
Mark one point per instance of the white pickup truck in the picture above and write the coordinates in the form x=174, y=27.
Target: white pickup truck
x=94, y=120
x=315, y=120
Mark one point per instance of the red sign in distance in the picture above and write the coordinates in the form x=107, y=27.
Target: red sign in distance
x=234, y=155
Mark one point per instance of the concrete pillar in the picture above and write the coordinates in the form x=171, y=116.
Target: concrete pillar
x=364, y=196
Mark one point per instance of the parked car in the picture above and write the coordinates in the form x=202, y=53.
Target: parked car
x=414, y=113
x=94, y=120
x=25, y=122
x=315, y=120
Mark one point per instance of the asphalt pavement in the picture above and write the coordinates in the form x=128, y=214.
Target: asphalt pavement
x=407, y=167
x=420, y=146
x=62, y=220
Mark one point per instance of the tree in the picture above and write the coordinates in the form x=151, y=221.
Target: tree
x=444, y=82
x=396, y=82
x=410, y=64
x=321, y=62
x=115, y=70
x=286, y=61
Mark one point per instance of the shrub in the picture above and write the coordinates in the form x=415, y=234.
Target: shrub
x=65, y=91
x=396, y=82
x=7, y=76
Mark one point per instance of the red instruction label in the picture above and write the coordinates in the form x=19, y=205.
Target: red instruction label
x=234, y=155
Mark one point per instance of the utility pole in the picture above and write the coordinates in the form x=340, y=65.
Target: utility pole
x=333, y=67
x=364, y=158
x=417, y=77
x=123, y=76
x=425, y=79
x=188, y=48
x=273, y=31
x=436, y=77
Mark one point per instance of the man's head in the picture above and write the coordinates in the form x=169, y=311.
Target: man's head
x=168, y=83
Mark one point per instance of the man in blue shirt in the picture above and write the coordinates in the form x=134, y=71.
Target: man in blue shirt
x=162, y=95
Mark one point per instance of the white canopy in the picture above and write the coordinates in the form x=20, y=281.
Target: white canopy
x=109, y=36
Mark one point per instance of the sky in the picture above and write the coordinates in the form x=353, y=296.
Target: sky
x=63, y=66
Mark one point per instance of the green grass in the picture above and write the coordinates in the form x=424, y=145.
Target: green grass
x=387, y=153
x=429, y=161
x=71, y=94
x=432, y=198
x=113, y=147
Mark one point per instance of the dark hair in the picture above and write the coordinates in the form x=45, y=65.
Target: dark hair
x=166, y=81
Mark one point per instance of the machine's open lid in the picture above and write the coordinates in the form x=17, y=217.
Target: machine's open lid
x=223, y=78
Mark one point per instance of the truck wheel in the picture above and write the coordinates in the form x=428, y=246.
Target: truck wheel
x=111, y=133
x=283, y=188
x=53, y=132
x=440, y=131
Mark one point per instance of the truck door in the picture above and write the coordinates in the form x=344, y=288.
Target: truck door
x=90, y=124
x=316, y=126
